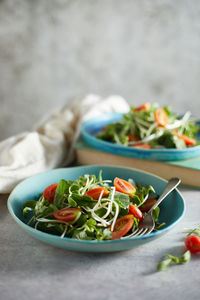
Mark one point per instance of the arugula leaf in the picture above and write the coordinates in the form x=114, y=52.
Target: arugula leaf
x=156, y=213
x=164, y=264
x=183, y=259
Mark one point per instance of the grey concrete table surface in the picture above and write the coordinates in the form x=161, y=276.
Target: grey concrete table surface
x=30, y=269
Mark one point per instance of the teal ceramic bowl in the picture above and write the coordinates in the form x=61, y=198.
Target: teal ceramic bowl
x=171, y=209
x=91, y=127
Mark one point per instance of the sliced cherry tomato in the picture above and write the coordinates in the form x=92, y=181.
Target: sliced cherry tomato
x=142, y=146
x=188, y=140
x=69, y=214
x=192, y=243
x=124, y=186
x=49, y=192
x=161, y=117
x=95, y=193
x=122, y=226
x=147, y=205
x=144, y=106
x=134, y=210
x=133, y=137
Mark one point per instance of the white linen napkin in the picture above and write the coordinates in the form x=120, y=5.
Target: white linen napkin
x=50, y=145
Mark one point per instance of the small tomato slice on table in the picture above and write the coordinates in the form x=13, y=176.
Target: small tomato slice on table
x=122, y=226
x=192, y=243
x=161, y=117
x=49, y=192
x=147, y=205
x=135, y=211
x=144, y=106
x=69, y=214
x=96, y=192
x=124, y=186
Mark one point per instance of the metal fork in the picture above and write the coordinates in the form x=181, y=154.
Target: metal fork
x=147, y=225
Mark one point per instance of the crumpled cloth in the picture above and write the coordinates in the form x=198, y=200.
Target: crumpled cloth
x=50, y=144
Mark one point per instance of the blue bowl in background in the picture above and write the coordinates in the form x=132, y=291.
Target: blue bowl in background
x=91, y=127
x=171, y=209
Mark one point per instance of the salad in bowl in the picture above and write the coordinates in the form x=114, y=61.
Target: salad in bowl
x=90, y=208
x=93, y=208
x=152, y=127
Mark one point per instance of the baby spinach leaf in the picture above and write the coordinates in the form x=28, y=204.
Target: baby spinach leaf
x=81, y=220
x=61, y=190
x=72, y=202
x=30, y=204
x=83, y=200
x=122, y=200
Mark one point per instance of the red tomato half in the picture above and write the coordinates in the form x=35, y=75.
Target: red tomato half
x=122, y=226
x=49, y=192
x=192, y=243
x=161, y=117
x=144, y=106
x=135, y=211
x=124, y=186
x=147, y=205
x=95, y=193
x=67, y=214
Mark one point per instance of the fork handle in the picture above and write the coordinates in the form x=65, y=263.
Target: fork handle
x=171, y=185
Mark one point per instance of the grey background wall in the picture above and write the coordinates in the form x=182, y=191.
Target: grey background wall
x=52, y=51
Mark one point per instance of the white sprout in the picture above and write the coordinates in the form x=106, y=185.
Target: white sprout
x=116, y=215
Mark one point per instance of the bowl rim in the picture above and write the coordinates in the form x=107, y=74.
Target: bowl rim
x=89, y=242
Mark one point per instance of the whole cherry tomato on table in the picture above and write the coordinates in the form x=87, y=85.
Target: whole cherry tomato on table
x=192, y=243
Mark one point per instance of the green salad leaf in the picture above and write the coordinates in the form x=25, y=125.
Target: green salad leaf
x=170, y=259
x=143, y=126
